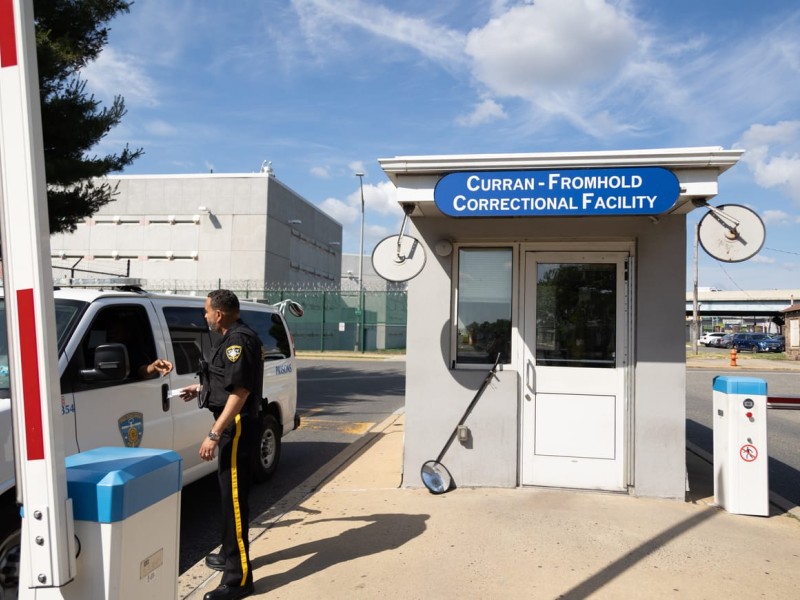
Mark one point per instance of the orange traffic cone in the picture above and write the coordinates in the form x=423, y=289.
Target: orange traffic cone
x=733, y=357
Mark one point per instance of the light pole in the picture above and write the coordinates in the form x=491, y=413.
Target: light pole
x=360, y=324
x=694, y=291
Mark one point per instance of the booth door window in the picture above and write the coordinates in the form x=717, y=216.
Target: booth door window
x=573, y=386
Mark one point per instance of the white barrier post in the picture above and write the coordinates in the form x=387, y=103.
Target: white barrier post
x=48, y=547
x=741, y=475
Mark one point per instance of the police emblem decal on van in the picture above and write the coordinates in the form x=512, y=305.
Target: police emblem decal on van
x=233, y=353
x=131, y=426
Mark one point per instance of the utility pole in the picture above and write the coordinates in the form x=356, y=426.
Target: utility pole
x=360, y=324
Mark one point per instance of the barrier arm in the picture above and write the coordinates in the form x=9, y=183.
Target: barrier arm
x=783, y=402
x=48, y=541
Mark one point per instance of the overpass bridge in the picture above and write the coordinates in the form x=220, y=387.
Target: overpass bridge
x=742, y=303
x=754, y=310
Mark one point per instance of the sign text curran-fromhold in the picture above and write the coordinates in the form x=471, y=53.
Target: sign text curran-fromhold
x=564, y=192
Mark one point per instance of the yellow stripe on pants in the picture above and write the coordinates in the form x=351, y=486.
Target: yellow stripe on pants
x=235, y=498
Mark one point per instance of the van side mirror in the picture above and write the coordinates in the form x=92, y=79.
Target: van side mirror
x=110, y=364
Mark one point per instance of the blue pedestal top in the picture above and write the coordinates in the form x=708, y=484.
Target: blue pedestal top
x=111, y=484
x=751, y=386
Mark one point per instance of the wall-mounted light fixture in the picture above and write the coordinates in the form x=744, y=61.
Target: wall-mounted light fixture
x=443, y=248
x=294, y=222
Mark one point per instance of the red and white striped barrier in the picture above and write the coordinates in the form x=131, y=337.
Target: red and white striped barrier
x=783, y=402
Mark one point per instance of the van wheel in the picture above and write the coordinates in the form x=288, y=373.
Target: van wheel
x=10, y=536
x=268, y=450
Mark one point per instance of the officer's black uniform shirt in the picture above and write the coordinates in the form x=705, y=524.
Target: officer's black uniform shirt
x=236, y=362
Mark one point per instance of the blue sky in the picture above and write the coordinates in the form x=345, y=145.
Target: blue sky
x=323, y=88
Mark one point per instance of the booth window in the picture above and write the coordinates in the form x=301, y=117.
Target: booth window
x=483, y=312
x=576, y=315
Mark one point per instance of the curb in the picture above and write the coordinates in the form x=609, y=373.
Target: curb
x=195, y=580
x=349, y=356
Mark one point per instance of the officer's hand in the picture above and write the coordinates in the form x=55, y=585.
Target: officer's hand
x=190, y=392
x=207, y=449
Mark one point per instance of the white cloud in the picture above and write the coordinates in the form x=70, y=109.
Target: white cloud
x=344, y=213
x=357, y=166
x=485, y=111
x=764, y=260
x=319, y=20
x=774, y=216
x=773, y=156
x=550, y=44
x=321, y=172
x=380, y=198
x=160, y=128
x=114, y=73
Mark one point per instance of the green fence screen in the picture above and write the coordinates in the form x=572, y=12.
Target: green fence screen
x=333, y=320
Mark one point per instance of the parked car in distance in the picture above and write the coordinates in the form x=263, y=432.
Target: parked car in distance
x=721, y=342
x=781, y=343
x=707, y=339
x=757, y=342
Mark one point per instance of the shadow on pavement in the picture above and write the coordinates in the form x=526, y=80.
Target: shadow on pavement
x=627, y=561
x=382, y=532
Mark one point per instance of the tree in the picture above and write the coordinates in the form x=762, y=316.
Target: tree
x=69, y=35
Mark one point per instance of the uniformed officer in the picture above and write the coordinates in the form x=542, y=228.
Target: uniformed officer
x=231, y=389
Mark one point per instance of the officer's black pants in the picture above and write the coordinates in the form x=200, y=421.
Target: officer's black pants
x=235, y=448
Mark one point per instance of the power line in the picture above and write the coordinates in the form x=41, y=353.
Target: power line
x=782, y=251
x=732, y=280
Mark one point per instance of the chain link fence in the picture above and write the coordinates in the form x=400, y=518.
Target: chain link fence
x=332, y=319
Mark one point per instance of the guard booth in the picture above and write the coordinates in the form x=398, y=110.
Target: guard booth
x=572, y=267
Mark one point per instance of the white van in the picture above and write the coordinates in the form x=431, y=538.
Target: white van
x=103, y=403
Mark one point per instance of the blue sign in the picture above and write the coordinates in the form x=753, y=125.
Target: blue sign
x=561, y=193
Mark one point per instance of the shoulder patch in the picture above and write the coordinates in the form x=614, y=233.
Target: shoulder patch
x=233, y=353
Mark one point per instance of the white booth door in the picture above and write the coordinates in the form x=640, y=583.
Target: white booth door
x=573, y=384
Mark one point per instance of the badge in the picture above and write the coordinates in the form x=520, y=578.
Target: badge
x=131, y=426
x=233, y=353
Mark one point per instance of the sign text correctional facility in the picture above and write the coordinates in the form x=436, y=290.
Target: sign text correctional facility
x=566, y=192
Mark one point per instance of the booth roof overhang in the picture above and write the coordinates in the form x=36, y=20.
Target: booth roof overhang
x=697, y=170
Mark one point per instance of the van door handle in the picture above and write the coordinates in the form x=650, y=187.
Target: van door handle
x=165, y=397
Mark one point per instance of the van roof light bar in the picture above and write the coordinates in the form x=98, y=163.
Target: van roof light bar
x=132, y=284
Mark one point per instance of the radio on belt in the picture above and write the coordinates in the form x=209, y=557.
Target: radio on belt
x=741, y=481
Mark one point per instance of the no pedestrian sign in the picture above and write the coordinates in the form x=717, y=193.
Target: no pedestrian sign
x=748, y=453
x=562, y=193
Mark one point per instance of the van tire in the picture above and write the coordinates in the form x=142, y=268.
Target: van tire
x=10, y=536
x=268, y=449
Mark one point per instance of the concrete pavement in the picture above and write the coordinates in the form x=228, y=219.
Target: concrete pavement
x=354, y=532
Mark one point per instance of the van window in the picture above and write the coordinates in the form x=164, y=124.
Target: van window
x=189, y=336
x=271, y=330
x=126, y=324
x=68, y=313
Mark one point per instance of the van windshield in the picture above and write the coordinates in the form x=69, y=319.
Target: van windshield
x=67, y=315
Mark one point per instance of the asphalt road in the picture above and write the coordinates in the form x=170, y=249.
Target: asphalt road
x=338, y=402
x=783, y=426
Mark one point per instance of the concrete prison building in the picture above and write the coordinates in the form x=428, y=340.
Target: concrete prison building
x=197, y=232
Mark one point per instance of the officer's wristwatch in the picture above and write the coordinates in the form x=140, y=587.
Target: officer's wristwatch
x=213, y=436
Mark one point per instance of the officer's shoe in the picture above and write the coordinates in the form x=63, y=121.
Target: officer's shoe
x=229, y=592
x=216, y=562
